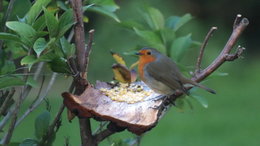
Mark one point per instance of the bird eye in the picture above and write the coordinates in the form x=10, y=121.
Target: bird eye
x=149, y=53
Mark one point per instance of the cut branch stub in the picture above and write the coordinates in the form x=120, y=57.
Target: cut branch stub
x=138, y=117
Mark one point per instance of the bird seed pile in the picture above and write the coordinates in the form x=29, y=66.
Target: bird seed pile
x=127, y=93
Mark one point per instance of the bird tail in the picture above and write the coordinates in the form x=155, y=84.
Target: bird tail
x=200, y=86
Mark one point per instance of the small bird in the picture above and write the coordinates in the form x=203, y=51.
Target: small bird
x=161, y=74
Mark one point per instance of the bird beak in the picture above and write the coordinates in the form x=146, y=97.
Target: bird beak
x=139, y=53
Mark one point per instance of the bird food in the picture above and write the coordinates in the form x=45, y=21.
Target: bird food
x=130, y=93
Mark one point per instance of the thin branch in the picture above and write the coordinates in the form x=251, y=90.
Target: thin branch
x=237, y=21
x=237, y=54
x=204, y=44
x=111, y=129
x=226, y=50
x=79, y=34
x=7, y=137
x=39, y=100
x=103, y=134
x=6, y=18
x=80, y=81
x=51, y=130
x=6, y=101
x=5, y=119
x=89, y=46
x=222, y=56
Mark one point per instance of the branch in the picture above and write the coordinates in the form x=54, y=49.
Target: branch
x=7, y=137
x=39, y=100
x=56, y=122
x=89, y=46
x=111, y=129
x=6, y=18
x=226, y=50
x=239, y=27
x=80, y=81
x=7, y=100
x=202, y=49
x=79, y=35
x=237, y=54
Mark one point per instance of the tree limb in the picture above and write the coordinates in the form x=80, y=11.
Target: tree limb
x=202, y=49
x=239, y=27
x=81, y=57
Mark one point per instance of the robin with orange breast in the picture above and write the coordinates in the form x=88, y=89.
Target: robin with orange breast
x=161, y=74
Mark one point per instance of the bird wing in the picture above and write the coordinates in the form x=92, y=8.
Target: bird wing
x=165, y=71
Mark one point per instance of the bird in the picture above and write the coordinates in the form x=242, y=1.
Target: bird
x=161, y=74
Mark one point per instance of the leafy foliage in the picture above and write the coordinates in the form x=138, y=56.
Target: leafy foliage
x=162, y=33
x=39, y=32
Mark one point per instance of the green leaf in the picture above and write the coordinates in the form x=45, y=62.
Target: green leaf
x=130, y=24
x=155, y=18
x=172, y=21
x=104, y=11
x=167, y=35
x=39, y=24
x=59, y=65
x=180, y=46
x=175, y=22
x=217, y=74
x=10, y=81
x=29, y=142
x=41, y=124
x=109, y=5
x=28, y=60
x=183, y=20
x=33, y=83
x=20, y=8
x=47, y=57
x=85, y=8
x=39, y=45
x=51, y=22
x=151, y=38
x=203, y=101
x=9, y=37
x=67, y=48
x=27, y=33
x=65, y=22
x=62, y=5
x=35, y=10
x=7, y=68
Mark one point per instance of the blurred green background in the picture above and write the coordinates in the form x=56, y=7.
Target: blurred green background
x=232, y=117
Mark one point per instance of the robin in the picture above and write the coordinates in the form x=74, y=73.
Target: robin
x=161, y=74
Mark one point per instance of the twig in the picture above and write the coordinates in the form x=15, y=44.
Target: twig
x=5, y=119
x=80, y=81
x=6, y=18
x=89, y=46
x=103, y=134
x=226, y=50
x=39, y=100
x=101, y=126
x=204, y=44
x=237, y=54
x=79, y=34
x=7, y=137
x=111, y=129
x=56, y=121
x=237, y=21
x=6, y=101
x=222, y=56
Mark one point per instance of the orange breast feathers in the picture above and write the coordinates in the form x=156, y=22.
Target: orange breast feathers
x=143, y=60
